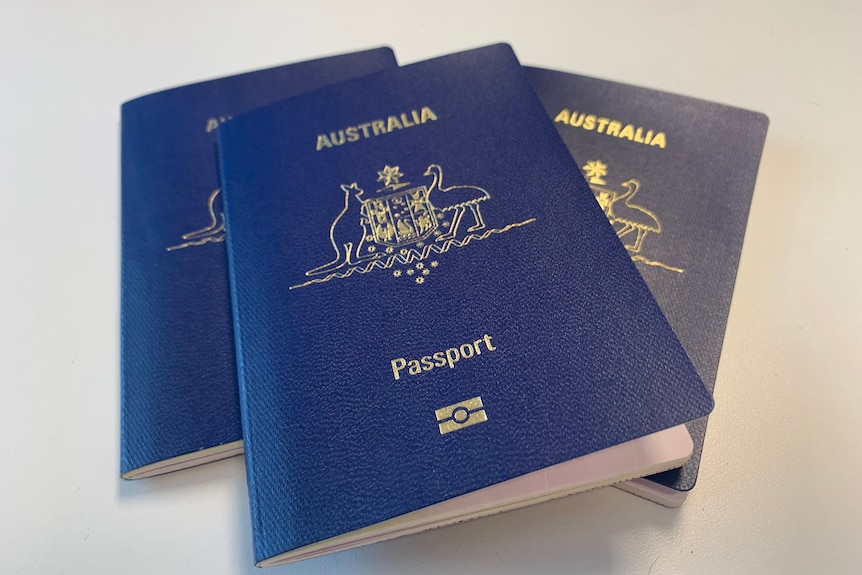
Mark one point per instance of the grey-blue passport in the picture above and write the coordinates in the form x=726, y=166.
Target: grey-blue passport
x=674, y=176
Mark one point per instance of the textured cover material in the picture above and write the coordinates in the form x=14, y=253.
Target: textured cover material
x=427, y=300
x=179, y=393
x=662, y=450
x=674, y=176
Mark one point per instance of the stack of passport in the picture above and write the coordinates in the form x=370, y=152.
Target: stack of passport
x=419, y=295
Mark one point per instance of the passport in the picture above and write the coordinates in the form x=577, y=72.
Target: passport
x=433, y=319
x=674, y=176
x=179, y=401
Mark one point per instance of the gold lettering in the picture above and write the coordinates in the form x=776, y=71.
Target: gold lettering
x=452, y=356
x=487, y=339
x=628, y=132
x=659, y=140
x=397, y=366
x=427, y=365
x=439, y=359
x=212, y=124
x=376, y=127
x=427, y=114
x=413, y=367
x=476, y=346
x=602, y=123
x=323, y=142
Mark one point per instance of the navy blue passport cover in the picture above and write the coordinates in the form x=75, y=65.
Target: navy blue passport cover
x=383, y=236
x=179, y=391
x=674, y=176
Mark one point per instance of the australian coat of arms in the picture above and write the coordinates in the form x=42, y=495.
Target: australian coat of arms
x=403, y=225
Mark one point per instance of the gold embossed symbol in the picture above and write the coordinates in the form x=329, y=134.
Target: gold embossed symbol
x=460, y=415
x=214, y=232
x=624, y=215
x=401, y=225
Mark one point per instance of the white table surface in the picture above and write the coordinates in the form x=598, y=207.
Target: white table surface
x=778, y=485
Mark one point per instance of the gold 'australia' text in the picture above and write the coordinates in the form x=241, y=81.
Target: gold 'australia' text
x=611, y=127
x=375, y=128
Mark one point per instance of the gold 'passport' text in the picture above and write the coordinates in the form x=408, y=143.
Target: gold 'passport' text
x=447, y=358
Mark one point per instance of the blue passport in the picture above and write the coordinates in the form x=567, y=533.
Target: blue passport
x=674, y=176
x=180, y=405
x=428, y=301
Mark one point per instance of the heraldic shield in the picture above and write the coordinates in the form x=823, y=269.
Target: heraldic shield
x=402, y=225
x=402, y=218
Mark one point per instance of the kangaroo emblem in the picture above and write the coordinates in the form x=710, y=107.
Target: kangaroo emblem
x=343, y=236
x=214, y=232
